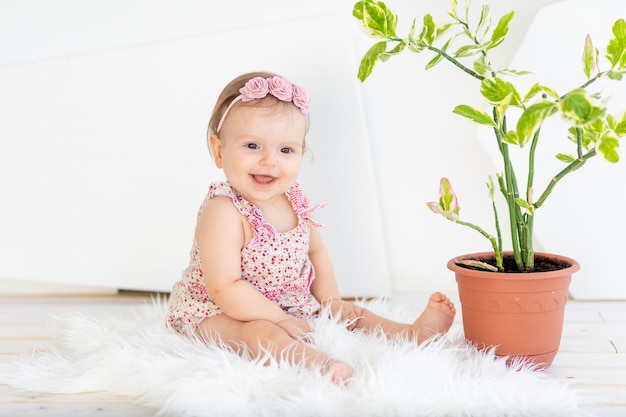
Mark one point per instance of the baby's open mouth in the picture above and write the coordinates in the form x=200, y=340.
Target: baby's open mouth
x=263, y=179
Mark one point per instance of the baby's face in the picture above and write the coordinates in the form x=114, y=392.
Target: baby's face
x=260, y=150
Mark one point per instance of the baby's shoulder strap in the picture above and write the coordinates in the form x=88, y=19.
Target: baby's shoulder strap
x=223, y=188
x=246, y=208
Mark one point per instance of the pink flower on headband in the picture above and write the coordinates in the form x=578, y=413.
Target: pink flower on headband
x=280, y=88
x=256, y=87
x=259, y=87
x=301, y=98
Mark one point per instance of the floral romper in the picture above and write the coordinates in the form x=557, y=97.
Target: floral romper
x=276, y=264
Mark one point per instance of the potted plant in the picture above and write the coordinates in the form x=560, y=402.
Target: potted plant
x=512, y=299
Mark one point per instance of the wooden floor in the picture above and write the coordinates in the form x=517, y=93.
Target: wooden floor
x=592, y=355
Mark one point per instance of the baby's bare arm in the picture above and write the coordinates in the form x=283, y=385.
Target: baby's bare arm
x=324, y=287
x=220, y=237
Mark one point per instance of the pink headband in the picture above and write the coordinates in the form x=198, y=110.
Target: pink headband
x=259, y=87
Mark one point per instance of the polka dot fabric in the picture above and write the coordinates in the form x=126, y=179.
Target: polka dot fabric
x=276, y=264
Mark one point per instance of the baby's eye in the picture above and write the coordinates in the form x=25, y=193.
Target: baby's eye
x=286, y=150
x=252, y=146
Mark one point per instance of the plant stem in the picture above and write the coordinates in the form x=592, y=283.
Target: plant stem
x=492, y=239
x=579, y=142
x=443, y=54
x=531, y=167
x=498, y=250
x=530, y=253
x=508, y=186
x=592, y=80
x=573, y=166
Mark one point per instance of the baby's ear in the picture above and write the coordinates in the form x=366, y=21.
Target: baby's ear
x=215, y=145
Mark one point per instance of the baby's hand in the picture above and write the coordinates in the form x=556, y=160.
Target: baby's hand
x=347, y=311
x=295, y=327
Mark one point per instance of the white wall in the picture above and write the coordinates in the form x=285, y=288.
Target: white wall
x=103, y=159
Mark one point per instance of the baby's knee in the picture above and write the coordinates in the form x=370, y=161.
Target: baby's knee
x=256, y=330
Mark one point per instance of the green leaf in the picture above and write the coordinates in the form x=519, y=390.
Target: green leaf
x=531, y=119
x=589, y=57
x=581, y=108
x=614, y=75
x=616, y=48
x=524, y=204
x=589, y=134
x=481, y=67
x=414, y=44
x=537, y=89
x=411, y=35
x=501, y=30
x=608, y=148
x=357, y=10
x=491, y=188
x=498, y=91
x=447, y=205
x=467, y=50
x=617, y=123
x=370, y=58
x=438, y=57
x=484, y=17
x=433, y=61
x=374, y=18
x=392, y=20
x=468, y=33
x=513, y=72
x=447, y=197
x=565, y=158
x=453, y=6
x=442, y=29
x=384, y=56
x=478, y=264
x=477, y=116
x=532, y=92
x=377, y=20
x=428, y=30
x=511, y=137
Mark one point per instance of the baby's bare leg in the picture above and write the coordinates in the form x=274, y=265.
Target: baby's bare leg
x=436, y=319
x=260, y=336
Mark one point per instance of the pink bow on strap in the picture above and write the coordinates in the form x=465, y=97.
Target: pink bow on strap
x=302, y=207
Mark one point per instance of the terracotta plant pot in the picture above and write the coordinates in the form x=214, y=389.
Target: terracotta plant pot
x=521, y=314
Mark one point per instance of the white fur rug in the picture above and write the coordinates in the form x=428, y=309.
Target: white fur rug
x=136, y=355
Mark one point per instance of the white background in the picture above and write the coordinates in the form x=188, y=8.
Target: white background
x=104, y=159
x=103, y=112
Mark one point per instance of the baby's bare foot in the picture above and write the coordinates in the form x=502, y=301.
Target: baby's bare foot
x=435, y=319
x=339, y=371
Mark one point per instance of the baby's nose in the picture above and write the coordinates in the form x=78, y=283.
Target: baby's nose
x=268, y=158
